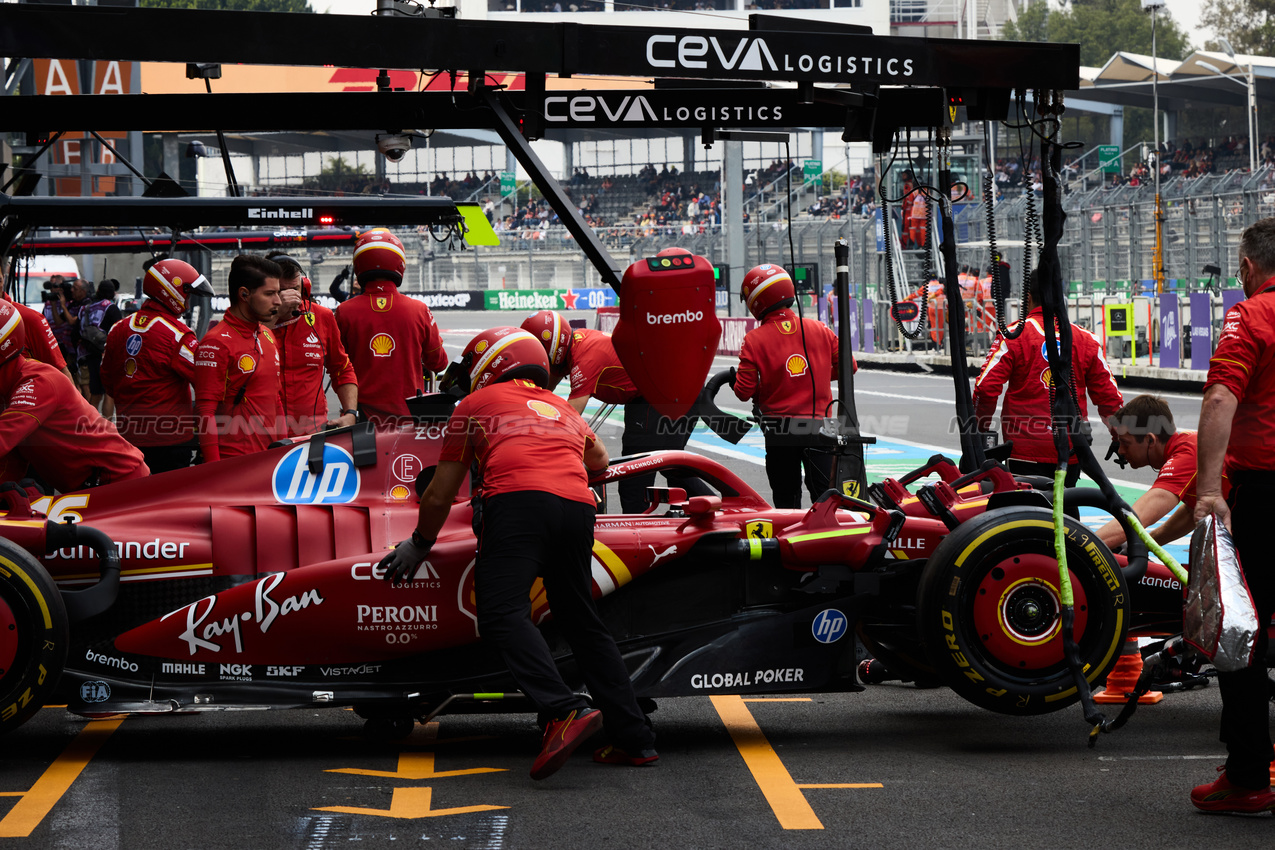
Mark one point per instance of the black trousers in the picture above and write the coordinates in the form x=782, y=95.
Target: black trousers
x=1046, y=470
x=784, y=464
x=165, y=458
x=532, y=533
x=646, y=430
x=1245, y=724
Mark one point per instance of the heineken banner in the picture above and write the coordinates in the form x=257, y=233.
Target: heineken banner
x=530, y=300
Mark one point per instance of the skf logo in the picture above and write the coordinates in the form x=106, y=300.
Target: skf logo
x=796, y=366
x=294, y=484
x=544, y=410
x=382, y=345
x=829, y=626
x=247, y=364
x=265, y=212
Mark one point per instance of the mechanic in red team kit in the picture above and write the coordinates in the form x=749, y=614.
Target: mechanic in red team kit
x=48, y=424
x=391, y=338
x=1148, y=437
x=537, y=512
x=309, y=343
x=237, y=366
x=148, y=367
x=589, y=357
x=1020, y=368
x=786, y=366
x=42, y=345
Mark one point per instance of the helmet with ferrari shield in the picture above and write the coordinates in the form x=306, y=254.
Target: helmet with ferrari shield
x=502, y=354
x=765, y=288
x=13, y=335
x=169, y=283
x=554, y=332
x=379, y=255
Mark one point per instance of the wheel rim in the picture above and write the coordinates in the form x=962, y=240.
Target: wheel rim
x=1017, y=612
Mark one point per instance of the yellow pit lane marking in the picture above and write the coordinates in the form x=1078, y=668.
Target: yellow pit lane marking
x=35, y=805
x=777, y=785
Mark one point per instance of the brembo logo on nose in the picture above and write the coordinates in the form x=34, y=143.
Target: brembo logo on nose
x=682, y=318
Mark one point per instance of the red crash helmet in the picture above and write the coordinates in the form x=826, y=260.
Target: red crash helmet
x=501, y=354
x=554, y=333
x=169, y=284
x=13, y=336
x=379, y=255
x=765, y=288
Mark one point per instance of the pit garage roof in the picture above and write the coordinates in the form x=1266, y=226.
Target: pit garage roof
x=1126, y=80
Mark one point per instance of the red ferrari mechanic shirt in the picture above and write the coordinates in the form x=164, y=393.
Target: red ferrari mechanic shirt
x=596, y=369
x=148, y=366
x=392, y=340
x=237, y=389
x=1178, y=474
x=1244, y=363
x=1020, y=363
x=773, y=367
x=308, y=344
x=42, y=345
x=517, y=431
x=50, y=425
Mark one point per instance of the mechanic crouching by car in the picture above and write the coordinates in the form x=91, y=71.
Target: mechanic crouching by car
x=535, y=519
x=148, y=366
x=786, y=366
x=589, y=357
x=391, y=338
x=237, y=366
x=309, y=342
x=47, y=424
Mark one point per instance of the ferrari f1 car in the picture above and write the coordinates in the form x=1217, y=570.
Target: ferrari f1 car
x=253, y=583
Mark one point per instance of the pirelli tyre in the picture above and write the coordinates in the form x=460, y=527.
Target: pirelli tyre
x=33, y=636
x=990, y=611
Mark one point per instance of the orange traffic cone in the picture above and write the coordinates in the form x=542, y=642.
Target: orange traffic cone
x=1123, y=679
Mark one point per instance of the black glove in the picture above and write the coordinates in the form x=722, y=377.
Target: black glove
x=731, y=379
x=400, y=565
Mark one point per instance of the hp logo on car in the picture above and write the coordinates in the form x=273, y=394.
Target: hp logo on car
x=829, y=626
x=336, y=484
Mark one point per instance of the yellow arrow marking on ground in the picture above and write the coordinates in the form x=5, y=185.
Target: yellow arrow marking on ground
x=35, y=805
x=409, y=804
x=416, y=766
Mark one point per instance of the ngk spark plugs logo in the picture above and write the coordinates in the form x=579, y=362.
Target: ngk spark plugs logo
x=752, y=53
x=336, y=484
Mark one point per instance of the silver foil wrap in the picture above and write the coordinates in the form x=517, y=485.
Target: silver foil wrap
x=1219, y=618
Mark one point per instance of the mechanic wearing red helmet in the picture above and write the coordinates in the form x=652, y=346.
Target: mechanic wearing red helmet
x=595, y=371
x=391, y=338
x=309, y=341
x=1235, y=435
x=49, y=425
x=237, y=366
x=1019, y=366
x=537, y=515
x=148, y=367
x=786, y=366
x=42, y=345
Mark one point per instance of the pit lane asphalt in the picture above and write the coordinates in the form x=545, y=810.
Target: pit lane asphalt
x=933, y=770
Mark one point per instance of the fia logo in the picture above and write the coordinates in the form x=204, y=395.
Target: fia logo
x=295, y=484
x=95, y=692
x=829, y=626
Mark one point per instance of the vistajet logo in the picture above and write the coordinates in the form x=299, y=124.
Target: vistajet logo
x=266, y=212
x=683, y=318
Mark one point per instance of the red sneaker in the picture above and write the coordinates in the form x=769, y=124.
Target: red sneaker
x=1221, y=796
x=561, y=739
x=615, y=755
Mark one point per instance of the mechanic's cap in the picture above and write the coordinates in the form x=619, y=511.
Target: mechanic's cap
x=170, y=282
x=379, y=255
x=554, y=333
x=766, y=287
x=502, y=354
x=13, y=335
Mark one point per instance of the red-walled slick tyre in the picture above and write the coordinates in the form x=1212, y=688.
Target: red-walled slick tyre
x=989, y=608
x=33, y=636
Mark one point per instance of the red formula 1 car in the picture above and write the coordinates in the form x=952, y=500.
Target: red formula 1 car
x=252, y=582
